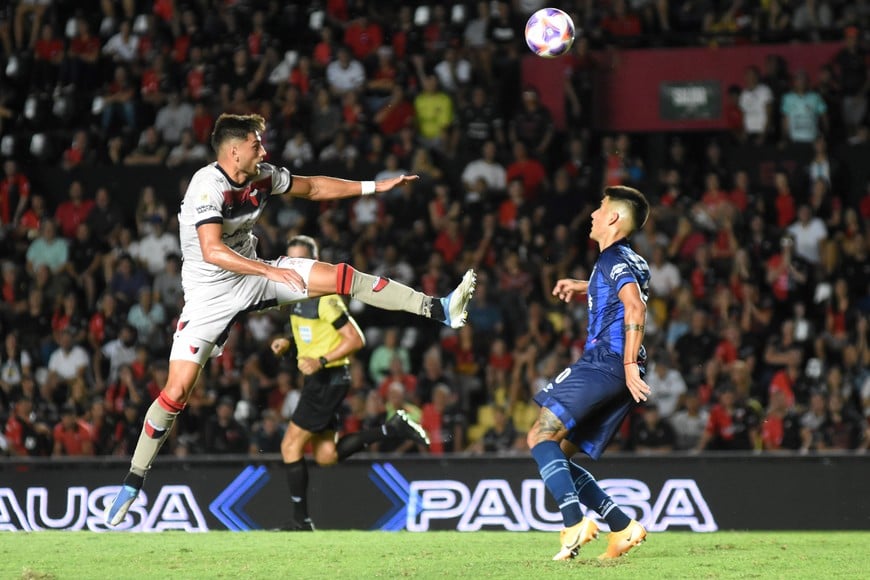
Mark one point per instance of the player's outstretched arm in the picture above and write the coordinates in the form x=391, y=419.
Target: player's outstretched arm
x=216, y=252
x=566, y=288
x=323, y=188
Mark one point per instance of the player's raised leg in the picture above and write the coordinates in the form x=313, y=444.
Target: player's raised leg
x=387, y=294
x=156, y=428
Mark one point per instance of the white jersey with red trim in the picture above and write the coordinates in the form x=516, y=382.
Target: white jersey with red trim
x=213, y=198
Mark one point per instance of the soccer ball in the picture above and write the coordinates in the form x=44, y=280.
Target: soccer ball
x=549, y=32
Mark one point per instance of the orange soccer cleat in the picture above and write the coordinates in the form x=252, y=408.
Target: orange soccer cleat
x=619, y=543
x=574, y=537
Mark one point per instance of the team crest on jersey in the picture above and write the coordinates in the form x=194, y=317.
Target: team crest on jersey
x=379, y=284
x=153, y=430
x=194, y=349
x=182, y=324
x=618, y=270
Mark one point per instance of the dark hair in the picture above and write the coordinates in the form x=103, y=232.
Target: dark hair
x=637, y=201
x=306, y=242
x=235, y=127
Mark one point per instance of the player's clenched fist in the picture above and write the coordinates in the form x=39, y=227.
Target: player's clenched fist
x=280, y=346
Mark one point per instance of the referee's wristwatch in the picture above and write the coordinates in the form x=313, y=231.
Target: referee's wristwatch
x=323, y=362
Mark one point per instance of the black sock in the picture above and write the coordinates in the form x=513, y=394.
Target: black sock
x=437, y=310
x=297, y=481
x=353, y=442
x=134, y=480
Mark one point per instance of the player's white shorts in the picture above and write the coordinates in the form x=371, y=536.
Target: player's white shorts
x=210, y=309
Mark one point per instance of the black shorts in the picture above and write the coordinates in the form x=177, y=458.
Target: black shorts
x=322, y=396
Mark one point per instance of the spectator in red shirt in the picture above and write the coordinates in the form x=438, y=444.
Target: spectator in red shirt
x=786, y=274
x=258, y=38
x=620, y=22
x=300, y=76
x=382, y=80
x=123, y=391
x=337, y=11
x=444, y=421
x=183, y=40
x=14, y=194
x=80, y=68
x=449, y=242
x=784, y=202
x=716, y=202
x=783, y=382
x=47, y=58
x=31, y=219
x=74, y=211
x=396, y=114
x=733, y=114
x=156, y=84
x=530, y=171
x=24, y=436
x=203, y=121
x=72, y=436
x=79, y=153
x=118, y=101
x=324, y=50
x=165, y=9
x=363, y=37
x=437, y=33
x=732, y=425
x=739, y=196
x=398, y=374
x=499, y=364
x=104, y=324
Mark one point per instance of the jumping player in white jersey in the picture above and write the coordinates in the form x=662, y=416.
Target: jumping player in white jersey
x=223, y=278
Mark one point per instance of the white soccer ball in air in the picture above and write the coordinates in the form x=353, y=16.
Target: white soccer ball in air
x=549, y=32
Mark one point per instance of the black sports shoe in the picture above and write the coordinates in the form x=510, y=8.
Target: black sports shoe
x=293, y=526
x=403, y=426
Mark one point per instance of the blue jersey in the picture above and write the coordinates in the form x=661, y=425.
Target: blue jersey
x=617, y=266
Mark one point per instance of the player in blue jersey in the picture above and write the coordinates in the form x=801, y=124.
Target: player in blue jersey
x=585, y=404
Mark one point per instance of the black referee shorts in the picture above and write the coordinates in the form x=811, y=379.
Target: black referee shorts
x=322, y=396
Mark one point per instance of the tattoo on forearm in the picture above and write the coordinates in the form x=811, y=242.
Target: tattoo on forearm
x=549, y=423
x=635, y=327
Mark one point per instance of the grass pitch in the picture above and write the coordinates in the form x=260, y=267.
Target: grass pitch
x=333, y=554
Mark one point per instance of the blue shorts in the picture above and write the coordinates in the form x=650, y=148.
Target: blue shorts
x=590, y=398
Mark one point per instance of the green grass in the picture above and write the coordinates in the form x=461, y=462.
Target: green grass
x=340, y=555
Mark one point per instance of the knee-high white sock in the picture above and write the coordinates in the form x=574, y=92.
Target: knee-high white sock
x=158, y=423
x=384, y=293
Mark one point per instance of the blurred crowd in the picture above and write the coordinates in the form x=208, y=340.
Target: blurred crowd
x=758, y=318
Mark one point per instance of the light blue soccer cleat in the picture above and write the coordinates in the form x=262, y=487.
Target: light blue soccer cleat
x=455, y=303
x=122, y=502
